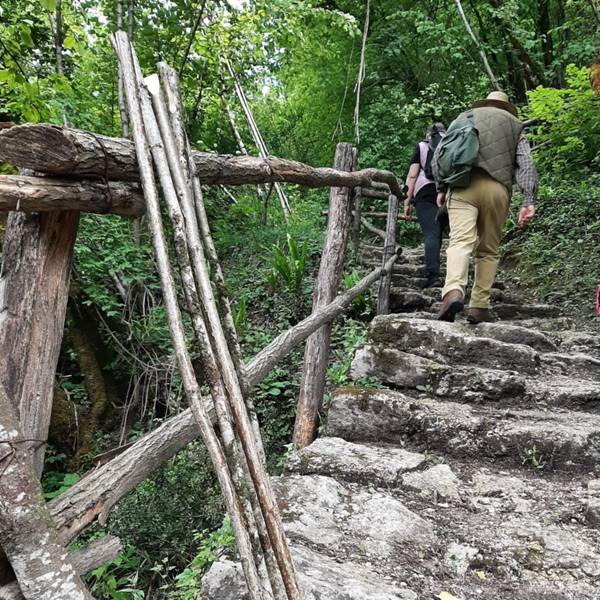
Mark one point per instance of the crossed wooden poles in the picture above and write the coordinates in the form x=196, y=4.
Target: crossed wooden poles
x=161, y=150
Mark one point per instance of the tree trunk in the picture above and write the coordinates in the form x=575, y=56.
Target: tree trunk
x=36, y=264
x=120, y=96
x=29, y=535
x=389, y=249
x=76, y=153
x=316, y=354
x=45, y=194
x=482, y=53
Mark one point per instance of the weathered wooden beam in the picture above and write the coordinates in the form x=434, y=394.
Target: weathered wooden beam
x=389, y=249
x=316, y=353
x=72, y=152
x=374, y=193
x=95, y=494
x=34, y=285
x=43, y=194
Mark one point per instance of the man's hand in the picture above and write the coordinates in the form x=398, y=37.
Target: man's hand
x=407, y=209
x=526, y=214
x=441, y=198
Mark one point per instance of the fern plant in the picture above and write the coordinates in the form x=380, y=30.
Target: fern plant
x=289, y=267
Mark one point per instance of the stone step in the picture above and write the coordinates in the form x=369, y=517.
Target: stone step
x=358, y=463
x=398, y=369
x=320, y=577
x=549, y=439
x=488, y=345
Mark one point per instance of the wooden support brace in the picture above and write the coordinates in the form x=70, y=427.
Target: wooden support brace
x=316, y=354
x=389, y=248
x=34, y=286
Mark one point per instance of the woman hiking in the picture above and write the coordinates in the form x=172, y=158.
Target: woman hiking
x=422, y=192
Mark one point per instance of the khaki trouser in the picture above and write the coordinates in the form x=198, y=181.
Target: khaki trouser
x=478, y=211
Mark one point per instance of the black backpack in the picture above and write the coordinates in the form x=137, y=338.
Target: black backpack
x=433, y=142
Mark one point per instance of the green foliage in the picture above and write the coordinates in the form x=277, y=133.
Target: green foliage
x=159, y=515
x=570, y=124
x=118, y=579
x=290, y=267
x=55, y=483
x=361, y=305
x=188, y=582
x=558, y=253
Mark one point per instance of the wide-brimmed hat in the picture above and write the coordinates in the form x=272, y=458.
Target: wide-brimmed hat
x=497, y=99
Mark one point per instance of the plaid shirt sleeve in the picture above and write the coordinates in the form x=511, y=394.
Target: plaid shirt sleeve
x=526, y=175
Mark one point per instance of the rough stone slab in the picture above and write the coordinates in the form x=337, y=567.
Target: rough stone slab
x=573, y=365
x=320, y=511
x=451, y=343
x=580, y=342
x=344, y=460
x=394, y=367
x=321, y=578
x=515, y=334
x=438, y=480
x=526, y=311
x=406, y=300
x=407, y=281
x=391, y=366
x=561, y=439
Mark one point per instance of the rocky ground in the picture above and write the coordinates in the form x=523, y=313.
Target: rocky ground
x=470, y=466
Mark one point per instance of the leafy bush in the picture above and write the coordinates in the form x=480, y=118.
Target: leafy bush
x=570, y=124
x=118, y=579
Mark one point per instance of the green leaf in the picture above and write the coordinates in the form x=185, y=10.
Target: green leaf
x=69, y=42
x=49, y=5
x=26, y=36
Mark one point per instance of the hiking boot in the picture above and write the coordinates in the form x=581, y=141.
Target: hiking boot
x=432, y=281
x=452, y=304
x=480, y=315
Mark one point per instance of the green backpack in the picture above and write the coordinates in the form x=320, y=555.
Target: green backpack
x=458, y=152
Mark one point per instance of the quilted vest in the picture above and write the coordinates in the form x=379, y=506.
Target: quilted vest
x=499, y=134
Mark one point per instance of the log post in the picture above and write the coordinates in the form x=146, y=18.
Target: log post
x=34, y=285
x=389, y=249
x=357, y=208
x=316, y=353
x=28, y=532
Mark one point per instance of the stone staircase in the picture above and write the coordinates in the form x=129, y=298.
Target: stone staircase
x=470, y=465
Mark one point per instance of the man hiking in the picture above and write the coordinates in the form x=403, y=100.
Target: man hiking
x=422, y=192
x=475, y=165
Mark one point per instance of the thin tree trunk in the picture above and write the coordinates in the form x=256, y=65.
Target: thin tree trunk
x=34, y=285
x=480, y=49
x=316, y=354
x=196, y=23
x=389, y=249
x=233, y=387
x=357, y=208
x=361, y=74
x=28, y=533
x=133, y=80
x=120, y=96
x=256, y=135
